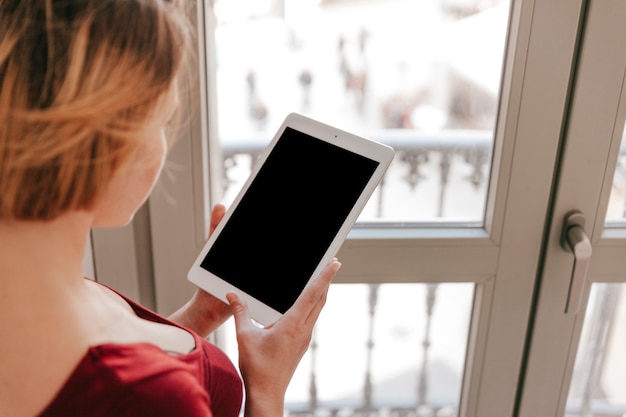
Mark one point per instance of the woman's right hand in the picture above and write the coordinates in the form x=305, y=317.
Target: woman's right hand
x=268, y=356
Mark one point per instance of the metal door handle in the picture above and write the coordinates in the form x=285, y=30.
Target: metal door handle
x=575, y=240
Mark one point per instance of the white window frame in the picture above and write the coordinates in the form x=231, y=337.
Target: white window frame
x=592, y=144
x=502, y=258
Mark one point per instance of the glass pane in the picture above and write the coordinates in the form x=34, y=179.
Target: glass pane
x=422, y=76
x=616, y=213
x=398, y=347
x=598, y=386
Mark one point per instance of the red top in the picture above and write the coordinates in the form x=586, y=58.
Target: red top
x=140, y=379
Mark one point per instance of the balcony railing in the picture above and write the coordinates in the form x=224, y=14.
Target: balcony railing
x=413, y=149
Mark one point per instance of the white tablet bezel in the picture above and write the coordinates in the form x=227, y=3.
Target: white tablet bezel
x=381, y=153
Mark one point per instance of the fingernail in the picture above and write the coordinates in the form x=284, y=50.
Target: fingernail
x=231, y=297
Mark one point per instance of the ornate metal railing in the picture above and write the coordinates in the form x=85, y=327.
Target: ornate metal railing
x=367, y=406
x=413, y=149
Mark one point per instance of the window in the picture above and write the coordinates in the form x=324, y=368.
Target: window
x=436, y=105
x=424, y=80
x=482, y=226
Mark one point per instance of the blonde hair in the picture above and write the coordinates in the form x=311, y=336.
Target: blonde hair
x=78, y=81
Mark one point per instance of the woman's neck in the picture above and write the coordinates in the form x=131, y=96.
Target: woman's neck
x=46, y=312
x=40, y=259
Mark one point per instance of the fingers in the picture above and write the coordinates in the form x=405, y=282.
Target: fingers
x=311, y=301
x=216, y=216
x=239, y=309
x=306, y=309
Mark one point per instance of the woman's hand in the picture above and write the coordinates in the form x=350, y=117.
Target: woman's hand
x=268, y=356
x=204, y=313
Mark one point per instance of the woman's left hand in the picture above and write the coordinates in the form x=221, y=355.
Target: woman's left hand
x=204, y=313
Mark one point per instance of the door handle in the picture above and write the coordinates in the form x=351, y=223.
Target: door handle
x=575, y=240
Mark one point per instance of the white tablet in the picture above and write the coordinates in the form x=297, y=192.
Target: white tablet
x=291, y=216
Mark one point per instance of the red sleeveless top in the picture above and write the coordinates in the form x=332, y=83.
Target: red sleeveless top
x=125, y=380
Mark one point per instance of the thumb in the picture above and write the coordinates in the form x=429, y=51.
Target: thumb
x=239, y=309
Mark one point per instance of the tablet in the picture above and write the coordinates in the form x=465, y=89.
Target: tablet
x=291, y=216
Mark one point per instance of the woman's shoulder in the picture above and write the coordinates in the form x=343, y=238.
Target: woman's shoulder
x=117, y=377
x=131, y=379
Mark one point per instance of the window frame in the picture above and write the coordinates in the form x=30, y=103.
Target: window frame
x=502, y=258
x=592, y=142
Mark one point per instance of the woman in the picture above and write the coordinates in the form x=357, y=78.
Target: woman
x=87, y=88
